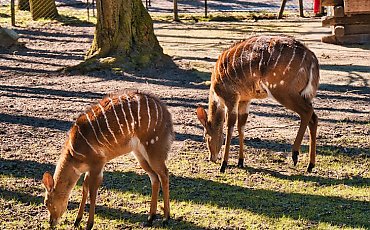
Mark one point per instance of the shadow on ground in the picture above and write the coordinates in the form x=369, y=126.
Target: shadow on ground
x=314, y=208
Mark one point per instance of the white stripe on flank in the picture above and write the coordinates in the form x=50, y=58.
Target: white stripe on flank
x=106, y=121
x=80, y=154
x=101, y=132
x=124, y=114
x=304, y=56
x=161, y=114
x=94, y=131
x=236, y=49
x=227, y=63
x=290, y=61
x=156, y=112
x=277, y=59
x=138, y=110
x=272, y=51
x=87, y=142
x=132, y=116
x=148, y=109
x=251, y=56
x=115, y=114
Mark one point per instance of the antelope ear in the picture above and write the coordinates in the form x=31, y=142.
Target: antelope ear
x=48, y=181
x=202, y=116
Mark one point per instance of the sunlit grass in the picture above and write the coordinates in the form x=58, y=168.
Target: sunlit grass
x=72, y=17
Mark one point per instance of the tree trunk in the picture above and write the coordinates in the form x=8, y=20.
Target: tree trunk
x=124, y=32
x=24, y=5
x=43, y=9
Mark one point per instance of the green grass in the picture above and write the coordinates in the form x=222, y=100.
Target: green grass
x=263, y=195
x=66, y=17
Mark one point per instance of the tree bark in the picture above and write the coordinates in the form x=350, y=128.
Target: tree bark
x=124, y=32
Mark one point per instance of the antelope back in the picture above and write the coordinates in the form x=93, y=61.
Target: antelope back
x=110, y=128
x=266, y=63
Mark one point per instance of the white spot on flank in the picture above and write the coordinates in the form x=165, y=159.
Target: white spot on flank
x=106, y=121
x=156, y=138
x=267, y=90
x=274, y=74
x=152, y=141
x=282, y=82
x=274, y=86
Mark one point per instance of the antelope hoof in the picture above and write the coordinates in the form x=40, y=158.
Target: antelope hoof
x=165, y=222
x=241, y=163
x=295, y=157
x=89, y=226
x=223, y=167
x=77, y=222
x=310, y=167
x=149, y=222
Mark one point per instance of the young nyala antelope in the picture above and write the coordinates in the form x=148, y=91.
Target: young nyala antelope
x=278, y=67
x=117, y=125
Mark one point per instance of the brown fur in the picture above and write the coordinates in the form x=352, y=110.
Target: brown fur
x=256, y=68
x=118, y=124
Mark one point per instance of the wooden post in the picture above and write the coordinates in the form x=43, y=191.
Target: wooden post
x=175, y=13
x=283, y=2
x=12, y=11
x=301, y=8
x=205, y=9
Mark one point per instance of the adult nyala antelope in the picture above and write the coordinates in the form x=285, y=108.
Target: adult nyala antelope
x=131, y=122
x=262, y=66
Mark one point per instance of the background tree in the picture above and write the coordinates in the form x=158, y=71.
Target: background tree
x=124, y=33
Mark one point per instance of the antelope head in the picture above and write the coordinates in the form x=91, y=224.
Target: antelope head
x=54, y=202
x=213, y=134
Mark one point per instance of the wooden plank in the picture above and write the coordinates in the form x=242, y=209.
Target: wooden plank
x=356, y=7
x=338, y=11
x=353, y=19
x=332, y=2
x=357, y=29
x=339, y=31
x=347, y=39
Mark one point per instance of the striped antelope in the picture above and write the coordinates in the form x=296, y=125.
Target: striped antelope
x=262, y=66
x=132, y=122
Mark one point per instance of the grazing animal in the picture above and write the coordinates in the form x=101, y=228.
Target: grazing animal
x=278, y=67
x=117, y=125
